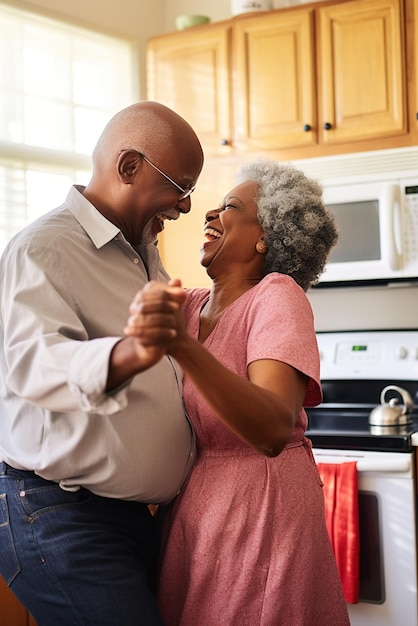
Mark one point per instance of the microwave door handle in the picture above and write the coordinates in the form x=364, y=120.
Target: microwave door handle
x=391, y=226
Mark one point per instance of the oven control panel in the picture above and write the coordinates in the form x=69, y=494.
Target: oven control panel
x=349, y=353
x=369, y=355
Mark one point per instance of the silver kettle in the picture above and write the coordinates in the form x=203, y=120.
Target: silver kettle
x=392, y=413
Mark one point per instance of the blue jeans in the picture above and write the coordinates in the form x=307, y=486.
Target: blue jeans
x=73, y=558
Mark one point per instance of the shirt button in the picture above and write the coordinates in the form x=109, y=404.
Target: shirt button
x=136, y=261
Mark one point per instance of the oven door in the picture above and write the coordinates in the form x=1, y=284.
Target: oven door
x=388, y=555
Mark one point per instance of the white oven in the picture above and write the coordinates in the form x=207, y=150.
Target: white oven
x=355, y=368
x=388, y=547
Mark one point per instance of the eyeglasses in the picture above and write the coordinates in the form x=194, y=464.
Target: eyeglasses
x=185, y=193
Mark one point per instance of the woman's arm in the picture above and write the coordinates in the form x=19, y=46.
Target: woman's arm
x=262, y=411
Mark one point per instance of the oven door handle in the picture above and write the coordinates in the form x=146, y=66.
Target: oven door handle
x=369, y=465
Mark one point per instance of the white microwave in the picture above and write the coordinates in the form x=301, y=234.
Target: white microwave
x=378, y=224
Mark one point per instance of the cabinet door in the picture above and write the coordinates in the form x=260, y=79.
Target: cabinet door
x=189, y=72
x=274, y=80
x=360, y=66
x=413, y=60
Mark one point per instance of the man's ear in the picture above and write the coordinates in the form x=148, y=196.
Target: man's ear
x=128, y=163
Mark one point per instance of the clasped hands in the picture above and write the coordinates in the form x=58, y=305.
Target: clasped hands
x=155, y=316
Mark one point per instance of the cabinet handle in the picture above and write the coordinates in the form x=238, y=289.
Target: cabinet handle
x=307, y=128
x=327, y=126
x=224, y=142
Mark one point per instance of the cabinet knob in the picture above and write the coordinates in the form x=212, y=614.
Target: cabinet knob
x=307, y=128
x=327, y=126
x=224, y=142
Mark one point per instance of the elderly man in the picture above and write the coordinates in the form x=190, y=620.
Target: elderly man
x=91, y=429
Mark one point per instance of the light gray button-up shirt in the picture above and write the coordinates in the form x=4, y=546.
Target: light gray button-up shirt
x=66, y=282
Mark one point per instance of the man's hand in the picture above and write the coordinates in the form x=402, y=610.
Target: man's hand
x=154, y=323
x=155, y=315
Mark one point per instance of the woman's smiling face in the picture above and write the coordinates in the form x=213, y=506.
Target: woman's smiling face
x=232, y=232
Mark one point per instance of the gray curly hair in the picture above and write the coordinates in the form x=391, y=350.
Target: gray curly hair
x=298, y=229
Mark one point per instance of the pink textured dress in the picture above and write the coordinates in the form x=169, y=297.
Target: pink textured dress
x=245, y=543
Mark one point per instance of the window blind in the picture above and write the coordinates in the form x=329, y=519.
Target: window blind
x=59, y=85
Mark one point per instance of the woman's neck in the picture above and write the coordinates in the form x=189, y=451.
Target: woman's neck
x=222, y=294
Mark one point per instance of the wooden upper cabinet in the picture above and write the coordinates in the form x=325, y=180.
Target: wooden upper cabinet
x=274, y=82
x=305, y=81
x=356, y=52
x=413, y=61
x=362, y=90
x=189, y=71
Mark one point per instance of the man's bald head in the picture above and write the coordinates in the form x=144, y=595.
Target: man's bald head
x=145, y=126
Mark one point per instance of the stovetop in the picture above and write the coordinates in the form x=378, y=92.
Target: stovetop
x=355, y=368
x=341, y=421
x=350, y=430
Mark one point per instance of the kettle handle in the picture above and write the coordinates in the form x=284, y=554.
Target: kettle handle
x=406, y=398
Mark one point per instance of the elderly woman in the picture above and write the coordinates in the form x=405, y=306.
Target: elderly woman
x=245, y=543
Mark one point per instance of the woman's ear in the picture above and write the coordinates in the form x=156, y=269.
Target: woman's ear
x=261, y=246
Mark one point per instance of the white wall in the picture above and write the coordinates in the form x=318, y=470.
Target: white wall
x=365, y=308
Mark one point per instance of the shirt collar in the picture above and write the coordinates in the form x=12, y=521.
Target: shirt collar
x=98, y=228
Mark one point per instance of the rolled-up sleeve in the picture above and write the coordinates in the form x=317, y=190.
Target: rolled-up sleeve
x=87, y=384
x=50, y=359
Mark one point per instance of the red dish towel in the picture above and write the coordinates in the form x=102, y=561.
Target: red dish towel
x=342, y=518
